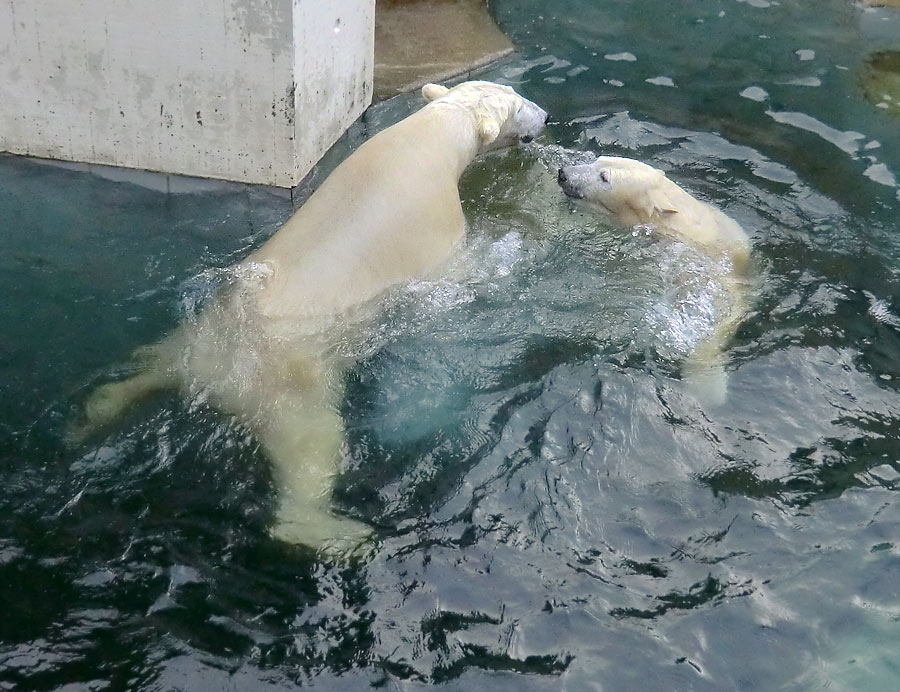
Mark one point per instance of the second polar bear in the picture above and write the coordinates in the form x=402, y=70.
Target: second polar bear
x=634, y=193
x=265, y=347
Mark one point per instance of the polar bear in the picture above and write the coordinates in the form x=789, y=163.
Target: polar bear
x=634, y=193
x=264, y=347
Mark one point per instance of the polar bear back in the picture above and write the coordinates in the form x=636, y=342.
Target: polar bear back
x=385, y=215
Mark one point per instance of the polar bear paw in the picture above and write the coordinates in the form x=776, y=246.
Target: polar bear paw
x=330, y=535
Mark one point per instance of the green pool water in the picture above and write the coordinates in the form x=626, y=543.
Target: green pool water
x=555, y=510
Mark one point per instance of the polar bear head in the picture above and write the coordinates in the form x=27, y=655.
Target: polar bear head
x=628, y=190
x=502, y=117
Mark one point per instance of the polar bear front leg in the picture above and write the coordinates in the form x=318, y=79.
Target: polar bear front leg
x=303, y=437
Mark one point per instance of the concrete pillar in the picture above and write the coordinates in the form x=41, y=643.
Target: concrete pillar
x=248, y=90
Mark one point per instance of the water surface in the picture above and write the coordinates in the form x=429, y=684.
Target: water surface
x=555, y=509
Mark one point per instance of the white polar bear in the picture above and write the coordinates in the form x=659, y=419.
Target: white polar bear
x=633, y=193
x=263, y=348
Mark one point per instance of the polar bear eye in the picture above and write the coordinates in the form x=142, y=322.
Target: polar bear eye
x=604, y=176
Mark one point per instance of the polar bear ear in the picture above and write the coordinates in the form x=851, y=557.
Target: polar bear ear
x=430, y=92
x=488, y=130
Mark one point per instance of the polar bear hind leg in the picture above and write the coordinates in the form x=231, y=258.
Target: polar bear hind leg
x=108, y=402
x=303, y=437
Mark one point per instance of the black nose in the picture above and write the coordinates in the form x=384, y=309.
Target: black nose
x=527, y=138
x=561, y=176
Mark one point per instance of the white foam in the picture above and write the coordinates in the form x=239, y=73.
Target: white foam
x=881, y=311
x=691, y=302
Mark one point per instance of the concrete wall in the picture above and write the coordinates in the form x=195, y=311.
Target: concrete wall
x=247, y=90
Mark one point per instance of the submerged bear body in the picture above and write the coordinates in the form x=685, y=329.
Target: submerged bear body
x=263, y=348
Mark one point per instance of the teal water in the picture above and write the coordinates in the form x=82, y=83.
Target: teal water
x=555, y=510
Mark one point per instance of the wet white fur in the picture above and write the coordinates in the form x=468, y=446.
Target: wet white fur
x=262, y=349
x=633, y=193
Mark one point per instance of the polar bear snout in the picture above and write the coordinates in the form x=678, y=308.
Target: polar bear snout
x=569, y=186
x=591, y=181
x=529, y=121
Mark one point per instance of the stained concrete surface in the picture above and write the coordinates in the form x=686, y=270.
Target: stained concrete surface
x=238, y=90
x=420, y=41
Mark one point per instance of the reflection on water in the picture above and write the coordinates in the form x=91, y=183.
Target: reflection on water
x=555, y=509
